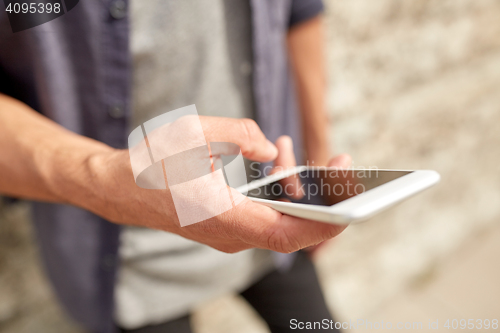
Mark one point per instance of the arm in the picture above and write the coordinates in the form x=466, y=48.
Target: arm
x=41, y=160
x=306, y=50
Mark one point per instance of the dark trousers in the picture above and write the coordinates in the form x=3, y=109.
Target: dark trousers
x=277, y=297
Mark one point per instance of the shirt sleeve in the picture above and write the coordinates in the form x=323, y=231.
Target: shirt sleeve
x=303, y=10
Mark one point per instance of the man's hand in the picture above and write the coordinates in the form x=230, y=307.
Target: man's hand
x=245, y=226
x=41, y=160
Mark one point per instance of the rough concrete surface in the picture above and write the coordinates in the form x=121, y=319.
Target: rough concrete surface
x=413, y=84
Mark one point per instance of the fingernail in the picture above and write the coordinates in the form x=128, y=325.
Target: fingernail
x=289, y=140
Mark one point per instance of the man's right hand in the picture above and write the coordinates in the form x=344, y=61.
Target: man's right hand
x=247, y=225
x=41, y=160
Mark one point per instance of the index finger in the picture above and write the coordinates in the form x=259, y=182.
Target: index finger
x=243, y=132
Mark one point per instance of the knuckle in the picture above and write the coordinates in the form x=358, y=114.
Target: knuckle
x=250, y=128
x=185, y=122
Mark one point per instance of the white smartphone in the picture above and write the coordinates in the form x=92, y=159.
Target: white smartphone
x=337, y=196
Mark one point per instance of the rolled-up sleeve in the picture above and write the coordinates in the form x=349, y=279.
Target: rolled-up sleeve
x=303, y=10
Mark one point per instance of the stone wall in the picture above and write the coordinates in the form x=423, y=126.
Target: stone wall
x=26, y=301
x=413, y=85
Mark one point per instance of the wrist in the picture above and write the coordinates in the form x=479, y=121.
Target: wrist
x=114, y=195
x=72, y=171
x=109, y=182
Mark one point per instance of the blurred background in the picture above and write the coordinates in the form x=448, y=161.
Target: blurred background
x=413, y=84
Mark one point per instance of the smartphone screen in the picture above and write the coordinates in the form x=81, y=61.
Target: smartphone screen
x=325, y=187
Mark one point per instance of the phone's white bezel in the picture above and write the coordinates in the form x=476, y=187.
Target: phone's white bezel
x=357, y=208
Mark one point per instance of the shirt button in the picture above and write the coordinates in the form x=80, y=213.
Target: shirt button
x=116, y=111
x=118, y=9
